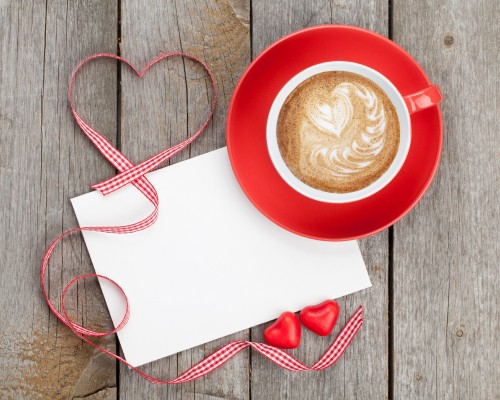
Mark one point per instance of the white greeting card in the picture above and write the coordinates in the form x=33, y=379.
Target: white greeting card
x=210, y=266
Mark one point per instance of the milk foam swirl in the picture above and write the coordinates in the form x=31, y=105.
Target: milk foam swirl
x=360, y=131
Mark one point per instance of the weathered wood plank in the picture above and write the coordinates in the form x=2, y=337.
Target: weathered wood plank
x=45, y=160
x=170, y=104
x=363, y=371
x=446, y=251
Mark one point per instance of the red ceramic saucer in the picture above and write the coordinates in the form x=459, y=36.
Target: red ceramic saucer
x=246, y=134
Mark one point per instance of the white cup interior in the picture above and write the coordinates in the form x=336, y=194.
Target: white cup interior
x=404, y=124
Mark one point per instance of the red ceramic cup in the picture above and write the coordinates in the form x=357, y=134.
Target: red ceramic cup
x=404, y=105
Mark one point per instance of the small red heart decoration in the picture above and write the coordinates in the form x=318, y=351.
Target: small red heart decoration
x=321, y=318
x=285, y=332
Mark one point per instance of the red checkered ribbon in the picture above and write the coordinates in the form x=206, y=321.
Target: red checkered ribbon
x=135, y=174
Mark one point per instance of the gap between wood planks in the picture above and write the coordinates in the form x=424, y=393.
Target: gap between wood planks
x=118, y=146
x=390, y=273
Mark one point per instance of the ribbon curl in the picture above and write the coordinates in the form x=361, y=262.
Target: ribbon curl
x=135, y=174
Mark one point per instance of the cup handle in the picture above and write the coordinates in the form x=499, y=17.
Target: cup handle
x=425, y=98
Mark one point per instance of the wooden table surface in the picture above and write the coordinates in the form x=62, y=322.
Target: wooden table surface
x=432, y=315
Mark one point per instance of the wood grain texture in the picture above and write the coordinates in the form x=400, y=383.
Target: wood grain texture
x=446, y=251
x=170, y=104
x=44, y=161
x=363, y=370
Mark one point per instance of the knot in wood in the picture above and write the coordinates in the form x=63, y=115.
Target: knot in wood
x=449, y=40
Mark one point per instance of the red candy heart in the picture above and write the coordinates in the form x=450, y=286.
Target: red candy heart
x=285, y=332
x=321, y=318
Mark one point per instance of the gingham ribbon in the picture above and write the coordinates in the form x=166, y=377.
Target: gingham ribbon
x=135, y=174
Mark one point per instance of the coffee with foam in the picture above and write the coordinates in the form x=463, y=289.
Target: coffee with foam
x=338, y=132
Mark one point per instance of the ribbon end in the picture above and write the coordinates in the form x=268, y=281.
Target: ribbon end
x=98, y=187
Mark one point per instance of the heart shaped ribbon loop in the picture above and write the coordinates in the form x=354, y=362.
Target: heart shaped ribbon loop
x=128, y=172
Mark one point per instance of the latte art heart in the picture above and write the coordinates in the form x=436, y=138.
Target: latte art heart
x=338, y=132
x=350, y=156
x=333, y=116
